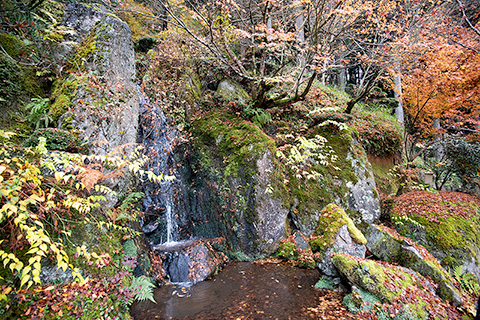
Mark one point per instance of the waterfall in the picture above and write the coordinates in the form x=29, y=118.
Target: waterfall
x=156, y=138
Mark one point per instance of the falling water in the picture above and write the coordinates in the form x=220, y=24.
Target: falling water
x=158, y=201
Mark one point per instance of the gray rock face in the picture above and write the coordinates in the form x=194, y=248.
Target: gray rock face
x=362, y=195
x=271, y=215
x=106, y=103
x=343, y=244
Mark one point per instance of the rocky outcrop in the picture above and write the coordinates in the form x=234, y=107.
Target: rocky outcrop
x=389, y=291
x=389, y=246
x=105, y=106
x=238, y=174
x=362, y=195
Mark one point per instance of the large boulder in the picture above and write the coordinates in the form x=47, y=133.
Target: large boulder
x=335, y=233
x=238, y=179
x=327, y=166
x=392, y=292
x=105, y=104
x=362, y=195
x=388, y=245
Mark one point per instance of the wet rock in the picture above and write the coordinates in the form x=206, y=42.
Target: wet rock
x=193, y=263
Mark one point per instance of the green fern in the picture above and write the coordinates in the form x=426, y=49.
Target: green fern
x=143, y=288
x=467, y=280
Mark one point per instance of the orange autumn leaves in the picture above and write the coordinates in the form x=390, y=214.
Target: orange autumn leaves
x=444, y=83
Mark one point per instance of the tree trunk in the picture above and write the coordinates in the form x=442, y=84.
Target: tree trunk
x=350, y=106
x=398, y=95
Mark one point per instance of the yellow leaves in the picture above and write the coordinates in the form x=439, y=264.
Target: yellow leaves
x=9, y=208
x=59, y=175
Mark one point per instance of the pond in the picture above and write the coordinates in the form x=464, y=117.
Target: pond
x=242, y=290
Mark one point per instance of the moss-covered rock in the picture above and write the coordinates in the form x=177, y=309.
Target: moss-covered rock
x=242, y=168
x=445, y=223
x=402, y=292
x=335, y=233
x=232, y=91
x=389, y=246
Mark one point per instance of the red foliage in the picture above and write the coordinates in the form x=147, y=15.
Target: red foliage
x=433, y=206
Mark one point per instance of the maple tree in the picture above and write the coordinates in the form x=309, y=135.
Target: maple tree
x=278, y=48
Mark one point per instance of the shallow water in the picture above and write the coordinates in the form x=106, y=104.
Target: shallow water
x=242, y=290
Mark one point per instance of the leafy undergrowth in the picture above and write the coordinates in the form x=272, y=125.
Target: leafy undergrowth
x=94, y=299
x=449, y=219
x=290, y=251
x=437, y=206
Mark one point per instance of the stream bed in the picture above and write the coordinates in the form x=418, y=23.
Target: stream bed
x=244, y=290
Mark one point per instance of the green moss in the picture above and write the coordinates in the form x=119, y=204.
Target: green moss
x=348, y=265
x=194, y=86
x=62, y=93
x=330, y=221
x=12, y=45
x=455, y=234
x=87, y=50
x=240, y=142
x=356, y=234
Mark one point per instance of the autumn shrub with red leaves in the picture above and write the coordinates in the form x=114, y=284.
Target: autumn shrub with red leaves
x=289, y=250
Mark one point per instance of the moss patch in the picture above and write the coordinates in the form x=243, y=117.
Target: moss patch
x=331, y=220
x=449, y=220
x=61, y=98
x=239, y=141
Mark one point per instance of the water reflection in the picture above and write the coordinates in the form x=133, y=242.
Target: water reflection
x=242, y=290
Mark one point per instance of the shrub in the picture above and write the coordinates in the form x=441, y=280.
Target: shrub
x=59, y=140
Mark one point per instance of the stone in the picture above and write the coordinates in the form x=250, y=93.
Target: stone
x=105, y=106
x=389, y=246
x=271, y=215
x=343, y=244
x=362, y=196
x=381, y=286
x=192, y=263
x=300, y=241
x=232, y=91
